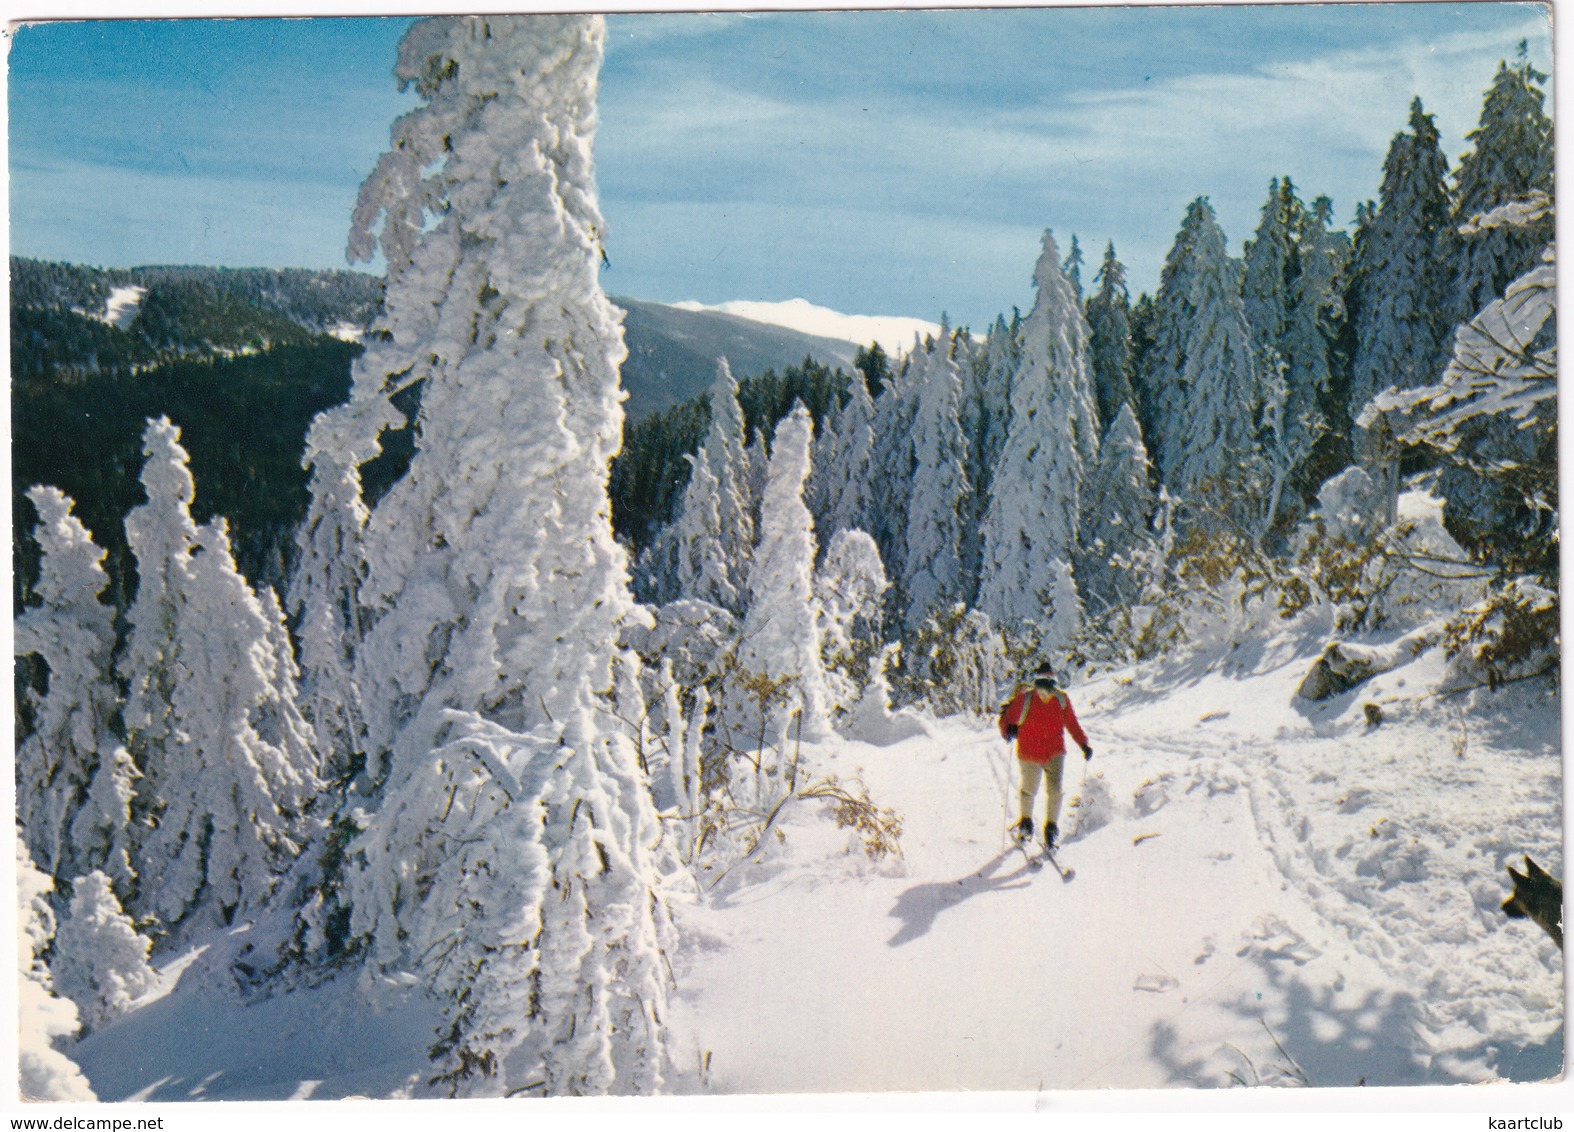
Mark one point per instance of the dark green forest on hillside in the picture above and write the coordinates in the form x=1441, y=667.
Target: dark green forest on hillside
x=238, y=359
x=243, y=420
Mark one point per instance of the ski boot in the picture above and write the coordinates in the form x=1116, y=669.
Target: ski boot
x=1023, y=831
x=1050, y=833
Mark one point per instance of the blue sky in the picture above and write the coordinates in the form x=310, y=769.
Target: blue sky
x=898, y=162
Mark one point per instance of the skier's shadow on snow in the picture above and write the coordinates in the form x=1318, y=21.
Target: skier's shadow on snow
x=919, y=905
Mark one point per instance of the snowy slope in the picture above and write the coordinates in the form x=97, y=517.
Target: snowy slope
x=122, y=306
x=894, y=332
x=1266, y=892
x=1263, y=895
x=672, y=352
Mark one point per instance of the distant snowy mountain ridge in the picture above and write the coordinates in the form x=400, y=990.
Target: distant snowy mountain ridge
x=894, y=332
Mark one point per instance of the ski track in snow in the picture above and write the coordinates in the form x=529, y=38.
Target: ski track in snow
x=1266, y=894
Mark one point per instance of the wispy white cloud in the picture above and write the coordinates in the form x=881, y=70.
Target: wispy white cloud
x=1111, y=162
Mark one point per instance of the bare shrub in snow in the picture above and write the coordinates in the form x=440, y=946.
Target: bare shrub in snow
x=879, y=828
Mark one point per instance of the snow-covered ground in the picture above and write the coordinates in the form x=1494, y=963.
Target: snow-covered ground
x=1263, y=894
x=894, y=333
x=1266, y=892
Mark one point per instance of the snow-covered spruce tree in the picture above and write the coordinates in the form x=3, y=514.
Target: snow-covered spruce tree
x=1306, y=349
x=1117, y=512
x=849, y=591
x=1269, y=269
x=505, y=859
x=1510, y=160
x=891, y=467
x=1073, y=266
x=227, y=767
x=1065, y=610
x=324, y=591
x=846, y=492
x=731, y=464
x=936, y=515
x=1001, y=358
x=1166, y=322
x=654, y=575
x=44, y=1073
x=781, y=637
x=1202, y=377
x=1109, y=339
x=1287, y=290
x=756, y=461
x=160, y=534
x=101, y=962
x=703, y=572
x=1493, y=413
x=1035, y=505
x=992, y=365
x=74, y=779
x=1403, y=277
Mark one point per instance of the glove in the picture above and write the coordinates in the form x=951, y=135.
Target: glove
x=1087, y=753
x=1011, y=732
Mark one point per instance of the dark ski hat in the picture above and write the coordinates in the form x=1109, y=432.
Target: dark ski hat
x=1044, y=669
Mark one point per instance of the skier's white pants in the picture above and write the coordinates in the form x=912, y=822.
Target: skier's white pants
x=1050, y=772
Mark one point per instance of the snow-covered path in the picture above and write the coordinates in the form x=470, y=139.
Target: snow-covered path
x=1263, y=895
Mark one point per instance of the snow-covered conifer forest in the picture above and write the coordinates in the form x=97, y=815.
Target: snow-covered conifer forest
x=564, y=755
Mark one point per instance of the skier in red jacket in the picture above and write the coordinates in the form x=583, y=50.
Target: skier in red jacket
x=1037, y=718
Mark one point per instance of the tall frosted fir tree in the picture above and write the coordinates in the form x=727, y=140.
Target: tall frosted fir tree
x=1510, y=167
x=1074, y=265
x=1117, y=514
x=846, y=492
x=226, y=759
x=1270, y=267
x=1109, y=338
x=1201, y=381
x=702, y=561
x=731, y=464
x=891, y=466
x=1052, y=442
x=324, y=591
x=936, y=517
x=1403, y=278
x=1510, y=159
x=1309, y=347
x=73, y=778
x=1291, y=293
x=506, y=862
x=781, y=637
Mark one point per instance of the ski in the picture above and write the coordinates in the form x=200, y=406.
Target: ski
x=1066, y=873
x=1033, y=857
x=1036, y=856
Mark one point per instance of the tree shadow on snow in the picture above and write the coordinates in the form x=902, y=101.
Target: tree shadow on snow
x=919, y=906
x=1311, y=1035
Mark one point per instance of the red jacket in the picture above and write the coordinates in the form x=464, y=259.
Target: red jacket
x=1041, y=719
